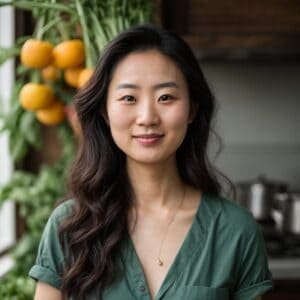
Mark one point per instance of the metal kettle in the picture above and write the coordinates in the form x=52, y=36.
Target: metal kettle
x=288, y=212
x=258, y=196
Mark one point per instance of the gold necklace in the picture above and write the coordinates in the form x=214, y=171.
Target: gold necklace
x=159, y=260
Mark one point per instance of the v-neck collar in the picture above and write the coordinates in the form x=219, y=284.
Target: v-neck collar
x=191, y=242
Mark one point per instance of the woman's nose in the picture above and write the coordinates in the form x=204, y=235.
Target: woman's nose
x=147, y=115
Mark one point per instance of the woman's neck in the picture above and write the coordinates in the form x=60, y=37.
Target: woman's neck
x=156, y=186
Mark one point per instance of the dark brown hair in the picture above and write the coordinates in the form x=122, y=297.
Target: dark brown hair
x=99, y=183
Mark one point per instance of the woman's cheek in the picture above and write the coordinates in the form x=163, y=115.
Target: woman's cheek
x=118, y=119
x=179, y=119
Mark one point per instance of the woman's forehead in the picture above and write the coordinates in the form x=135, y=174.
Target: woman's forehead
x=147, y=67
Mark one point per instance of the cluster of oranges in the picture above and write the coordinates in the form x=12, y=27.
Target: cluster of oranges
x=67, y=57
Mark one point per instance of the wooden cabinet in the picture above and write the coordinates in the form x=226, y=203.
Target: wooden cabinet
x=271, y=26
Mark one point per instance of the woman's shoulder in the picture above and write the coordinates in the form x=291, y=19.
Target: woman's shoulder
x=232, y=214
x=62, y=210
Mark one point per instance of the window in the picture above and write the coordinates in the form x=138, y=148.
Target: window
x=7, y=212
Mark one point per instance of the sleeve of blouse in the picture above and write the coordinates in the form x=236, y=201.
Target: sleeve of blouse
x=253, y=275
x=49, y=262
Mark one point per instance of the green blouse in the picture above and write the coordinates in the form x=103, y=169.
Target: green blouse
x=222, y=257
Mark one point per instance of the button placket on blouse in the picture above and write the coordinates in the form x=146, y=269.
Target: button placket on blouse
x=185, y=255
x=140, y=287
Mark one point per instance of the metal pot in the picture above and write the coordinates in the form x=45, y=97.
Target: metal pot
x=258, y=196
x=288, y=210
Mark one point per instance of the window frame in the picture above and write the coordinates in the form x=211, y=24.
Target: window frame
x=8, y=212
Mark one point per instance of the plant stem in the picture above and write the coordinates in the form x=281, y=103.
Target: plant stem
x=38, y=30
x=85, y=33
x=30, y=5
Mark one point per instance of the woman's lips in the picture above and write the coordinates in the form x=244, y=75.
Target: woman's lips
x=148, y=140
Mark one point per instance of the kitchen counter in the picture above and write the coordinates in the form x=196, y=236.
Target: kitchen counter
x=285, y=268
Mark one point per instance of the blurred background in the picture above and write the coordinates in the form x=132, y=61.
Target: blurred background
x=249, y=52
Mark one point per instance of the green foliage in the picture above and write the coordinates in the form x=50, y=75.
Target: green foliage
x=36, y=195
x=10, y=52
x=16, y=287
x=7, y=53
x=21, y=126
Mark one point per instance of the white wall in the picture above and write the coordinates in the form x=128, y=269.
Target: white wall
x=7, y=213
x=258, y=118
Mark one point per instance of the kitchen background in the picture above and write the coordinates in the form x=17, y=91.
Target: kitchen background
x=258, y=104
x=258, y=119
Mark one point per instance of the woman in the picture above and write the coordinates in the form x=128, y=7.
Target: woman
x=146, y=219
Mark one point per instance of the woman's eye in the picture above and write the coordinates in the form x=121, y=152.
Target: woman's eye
x=165, y=98
x=128, y=98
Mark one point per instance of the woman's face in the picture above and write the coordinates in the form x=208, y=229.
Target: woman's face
x=148, y=107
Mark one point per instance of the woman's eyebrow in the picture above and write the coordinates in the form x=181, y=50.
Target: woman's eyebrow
x=166, y=84
x=155, y=87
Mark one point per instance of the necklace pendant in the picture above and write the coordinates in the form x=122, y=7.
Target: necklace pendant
x=159, y=262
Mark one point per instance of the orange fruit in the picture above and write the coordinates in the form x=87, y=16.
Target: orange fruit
x=50, y=73
x=69, y=54
x=51, y=115
x=84, y=76
x=36, y=53
x=34, y=96
x=71, y=76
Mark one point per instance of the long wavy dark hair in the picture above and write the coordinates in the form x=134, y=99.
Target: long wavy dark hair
x=99, y=183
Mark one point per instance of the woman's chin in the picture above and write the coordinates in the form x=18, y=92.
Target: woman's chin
x=155, y=160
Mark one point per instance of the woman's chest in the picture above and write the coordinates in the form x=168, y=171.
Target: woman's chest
x=196, y=273
x=157, y=249
x=158, y=244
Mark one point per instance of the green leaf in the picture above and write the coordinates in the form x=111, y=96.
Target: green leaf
x=7, y=53
x=24, y=246
x=18, y=146
x=29, y=127
x=22, y=70
x=32, y=5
